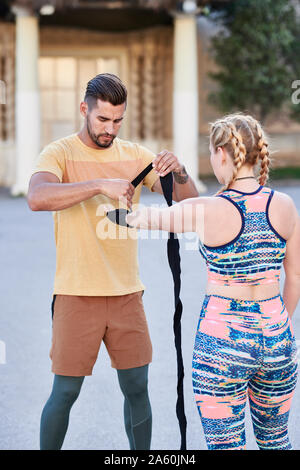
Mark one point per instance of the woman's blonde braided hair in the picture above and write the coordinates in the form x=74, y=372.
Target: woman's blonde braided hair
x=245, y=141
x=261, y=148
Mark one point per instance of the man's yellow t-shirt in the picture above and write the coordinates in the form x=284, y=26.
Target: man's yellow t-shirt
x=94, y=256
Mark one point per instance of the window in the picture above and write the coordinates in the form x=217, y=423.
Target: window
x=63, y=81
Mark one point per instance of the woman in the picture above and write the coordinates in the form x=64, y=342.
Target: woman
x=244, y=341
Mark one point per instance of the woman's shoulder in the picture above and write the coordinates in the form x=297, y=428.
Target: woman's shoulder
x=283, y=213
x=217, y=209
x=209, y=204
x=283, y=201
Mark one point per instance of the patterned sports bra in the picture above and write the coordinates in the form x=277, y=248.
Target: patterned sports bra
x=255, y=255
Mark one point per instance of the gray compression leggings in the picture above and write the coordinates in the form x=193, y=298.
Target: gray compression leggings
x=137, y=409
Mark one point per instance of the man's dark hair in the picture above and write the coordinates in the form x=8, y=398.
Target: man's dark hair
x=106, y=87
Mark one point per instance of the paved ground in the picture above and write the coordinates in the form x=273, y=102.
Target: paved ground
x=28, y=261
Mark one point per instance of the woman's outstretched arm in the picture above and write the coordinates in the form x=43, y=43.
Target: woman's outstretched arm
x=184, y=216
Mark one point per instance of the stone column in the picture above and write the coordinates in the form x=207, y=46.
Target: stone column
x=185, y=102
x=135, y=83
x=27, y=97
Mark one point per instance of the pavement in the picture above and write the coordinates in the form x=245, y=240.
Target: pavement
x=27, y=253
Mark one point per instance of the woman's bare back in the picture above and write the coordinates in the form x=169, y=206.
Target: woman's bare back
x=223, y=222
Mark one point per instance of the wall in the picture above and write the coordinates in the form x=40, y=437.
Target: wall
x=7, y=110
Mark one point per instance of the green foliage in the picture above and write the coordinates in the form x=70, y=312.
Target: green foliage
x=257, y=54
x=285, y=173
x=295, y=67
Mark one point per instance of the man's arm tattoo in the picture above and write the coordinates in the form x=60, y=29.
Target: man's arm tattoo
x=181, y=177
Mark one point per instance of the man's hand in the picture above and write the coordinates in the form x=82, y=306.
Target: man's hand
x=118, y=189
x=165, y=162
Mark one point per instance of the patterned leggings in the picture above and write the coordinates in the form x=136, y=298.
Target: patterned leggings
x=244, y=346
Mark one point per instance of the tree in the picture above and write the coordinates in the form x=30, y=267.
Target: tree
x=256, y=53
x=295, y=67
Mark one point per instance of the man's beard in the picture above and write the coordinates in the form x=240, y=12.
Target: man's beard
x=95, y=137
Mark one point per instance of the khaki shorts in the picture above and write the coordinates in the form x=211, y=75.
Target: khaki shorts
x=80, y=323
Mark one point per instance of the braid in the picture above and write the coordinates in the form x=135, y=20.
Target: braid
x=262, y=153
x=239, y=151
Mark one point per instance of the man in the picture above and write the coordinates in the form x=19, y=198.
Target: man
x=97, y=291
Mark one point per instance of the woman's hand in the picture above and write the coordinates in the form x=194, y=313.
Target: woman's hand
x=147, y=218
